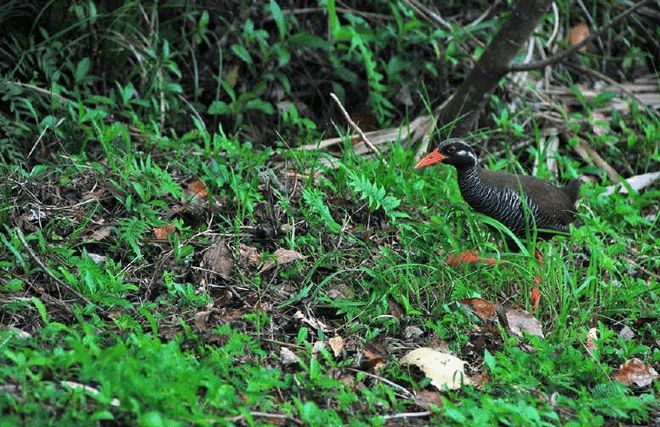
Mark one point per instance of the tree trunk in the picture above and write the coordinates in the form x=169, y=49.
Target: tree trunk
x=471, y=96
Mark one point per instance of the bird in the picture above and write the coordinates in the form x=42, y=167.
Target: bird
x=522, y=203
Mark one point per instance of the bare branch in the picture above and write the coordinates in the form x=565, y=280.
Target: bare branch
x=573, y=49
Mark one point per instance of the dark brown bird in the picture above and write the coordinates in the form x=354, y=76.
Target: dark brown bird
x=520, y=202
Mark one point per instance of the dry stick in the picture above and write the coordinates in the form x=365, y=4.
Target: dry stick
x=587, y=153
x=610, y=80
x=355, y=127
x=573, y=49
x=36, y=259
x=407, y=415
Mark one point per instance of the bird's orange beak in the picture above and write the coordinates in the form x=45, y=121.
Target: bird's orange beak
x=434, y=157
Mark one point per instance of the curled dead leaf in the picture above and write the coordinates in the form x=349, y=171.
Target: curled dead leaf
x=635, y=372
x=282, y=257
x=197, y=189
x=336, y=344
x=443, y=369
x=425, y=398
x=249, y=255
x=201, y=320
x=520, y=321
x=161, y=233
x=288, y=357
x=578, y=33
x=485, y=310
x=219, y=259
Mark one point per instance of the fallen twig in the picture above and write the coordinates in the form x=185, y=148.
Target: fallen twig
x=573, y=49
x=637, y=182
x=587, y=153
x=407, y=415
x=36, y=259
x=355, y=127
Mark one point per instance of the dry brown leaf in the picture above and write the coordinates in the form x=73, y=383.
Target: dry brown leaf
x=396, y=309
x=197, y=189
x=337, y=345
x=635, y=372
x=485, y=310
x=201, y=320
x=288, y=357
x=479, y=380
x=577, y=34
x=519, y=321
x=283, y=257
x=592, y=337
x=219, y=259
x=161, y=233
x=425, y=398
x=443, y=369
x=249, y=255
x=375, y=352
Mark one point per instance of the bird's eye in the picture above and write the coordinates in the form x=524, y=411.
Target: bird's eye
x=451, y=149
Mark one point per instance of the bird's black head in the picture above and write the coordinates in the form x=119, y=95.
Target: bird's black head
x=451, y=151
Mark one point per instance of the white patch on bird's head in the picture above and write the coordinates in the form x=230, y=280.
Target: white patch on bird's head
x=468, y=153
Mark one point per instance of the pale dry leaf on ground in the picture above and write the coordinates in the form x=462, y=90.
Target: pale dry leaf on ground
x=413, y=332
x=592, y=337
x=485, y=310
x=282, y=257
x=336, y=344
x=98, y=259
x=318, y=346
x=101, y=234
x=520, y=321
x=314, y=323
x=635, y=372
x=288, y=357
x=219, y=259
x=443, y=369
x=626, y=334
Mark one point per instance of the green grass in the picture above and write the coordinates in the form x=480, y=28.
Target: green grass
x=94, y=161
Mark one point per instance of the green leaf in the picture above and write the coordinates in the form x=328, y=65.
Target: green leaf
x=278, y=17
x=41, y=308
x=242, y=53
x=82, y=69
x=489, y=360
x=261, y=105
x=219, y=108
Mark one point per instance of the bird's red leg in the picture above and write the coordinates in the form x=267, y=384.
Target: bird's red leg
x=536, y=294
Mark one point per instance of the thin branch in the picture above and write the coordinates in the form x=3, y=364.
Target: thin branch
x=355, y=127
x=573, y=49
x=407, y=415
x=555, y=26
x=36, y=259
x=608, y=79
